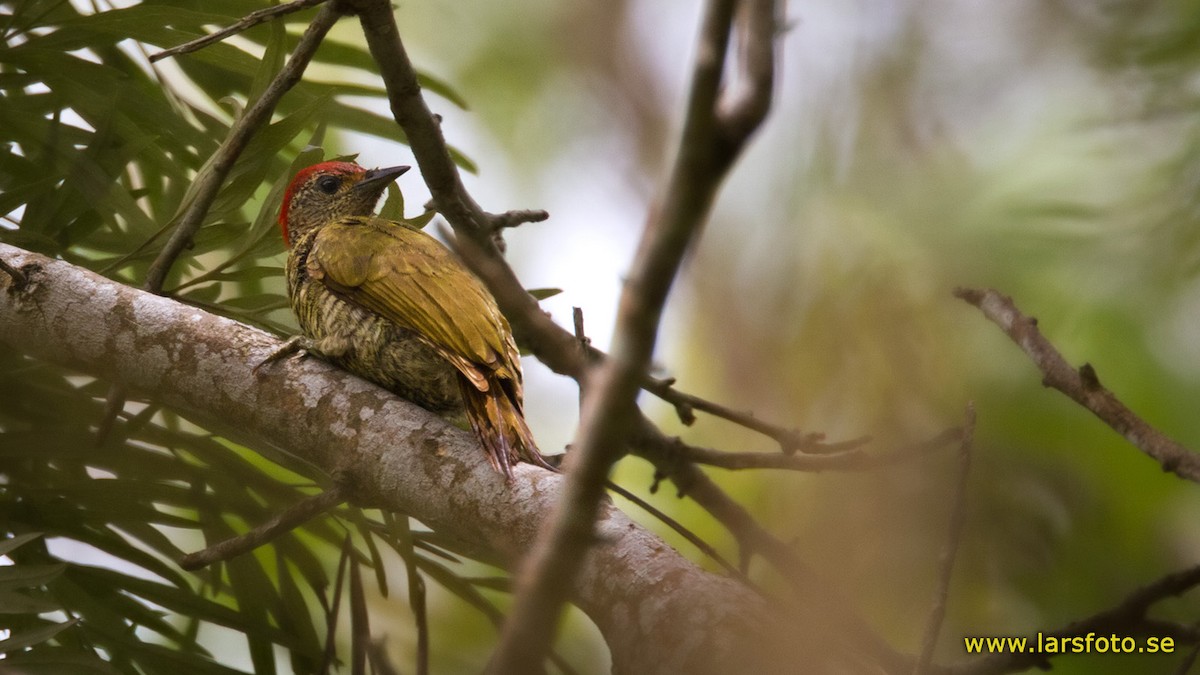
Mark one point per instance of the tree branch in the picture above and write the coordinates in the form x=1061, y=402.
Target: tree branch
x=853, y=459
x=790, y=440
x=705, y=154
x=284, y=521
x=1082, y=385
x=19, y=280
x=393, y=454
x=958, y=515
x=249, y=21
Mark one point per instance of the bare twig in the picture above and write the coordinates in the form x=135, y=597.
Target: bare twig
x=849, y=458
x=208, y=182
x=706, y=152
x=682, y=531
x=580, y=333
x=937, y=612
x=19, y=280
x=285, y=521
x=518, y=218
x=1082, y=385
x=790, y=440
x=252, y=19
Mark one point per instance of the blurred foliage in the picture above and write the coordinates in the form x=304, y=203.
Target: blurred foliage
x=1044, y=149
x=100, y=150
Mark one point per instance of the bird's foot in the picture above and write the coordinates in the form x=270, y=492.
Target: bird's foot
x=297, y=343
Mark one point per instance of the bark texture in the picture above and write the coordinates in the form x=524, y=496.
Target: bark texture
x=658, y=612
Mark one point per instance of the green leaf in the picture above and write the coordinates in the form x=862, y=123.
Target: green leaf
x=364, y=530
x=272, y=61
x=28, y=638
x=296, y=619
x=19, y=603
x=187, y=603
x=422, y=220
x=393, y=206
x=59, y=661
x=28, y=576
x=543, y=293
x=256, y=598
x=13, y=543
x=263, y=302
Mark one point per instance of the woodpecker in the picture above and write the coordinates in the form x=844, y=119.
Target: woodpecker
x=391, y=304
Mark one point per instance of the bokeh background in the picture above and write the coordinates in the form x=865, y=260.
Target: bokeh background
x=1048, y=149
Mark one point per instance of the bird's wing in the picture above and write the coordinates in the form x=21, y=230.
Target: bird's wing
x=410, y=278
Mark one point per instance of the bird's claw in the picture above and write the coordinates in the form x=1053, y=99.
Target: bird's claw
x=294, y=344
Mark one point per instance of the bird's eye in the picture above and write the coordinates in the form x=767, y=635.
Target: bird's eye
x=329, y=184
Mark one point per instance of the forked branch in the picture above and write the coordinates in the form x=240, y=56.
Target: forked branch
x=1082, y=385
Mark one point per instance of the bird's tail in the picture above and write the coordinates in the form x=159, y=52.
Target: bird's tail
x=500, y=426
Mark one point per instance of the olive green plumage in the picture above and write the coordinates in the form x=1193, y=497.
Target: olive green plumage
x=391, y=304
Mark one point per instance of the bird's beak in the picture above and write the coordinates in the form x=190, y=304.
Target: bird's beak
x=380, y=177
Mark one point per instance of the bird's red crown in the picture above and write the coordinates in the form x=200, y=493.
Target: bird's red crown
x=302, y=177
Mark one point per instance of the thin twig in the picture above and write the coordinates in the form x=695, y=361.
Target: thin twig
x=790, y=440
x=937, y=611
x=517, y=218
x=19, y=280
x=682, y=531
x=250, y=20
x=1082, y=385
x=284, y=521
x=208, y=183
x=580, y=333
x=705, y=155
x=851, y=458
